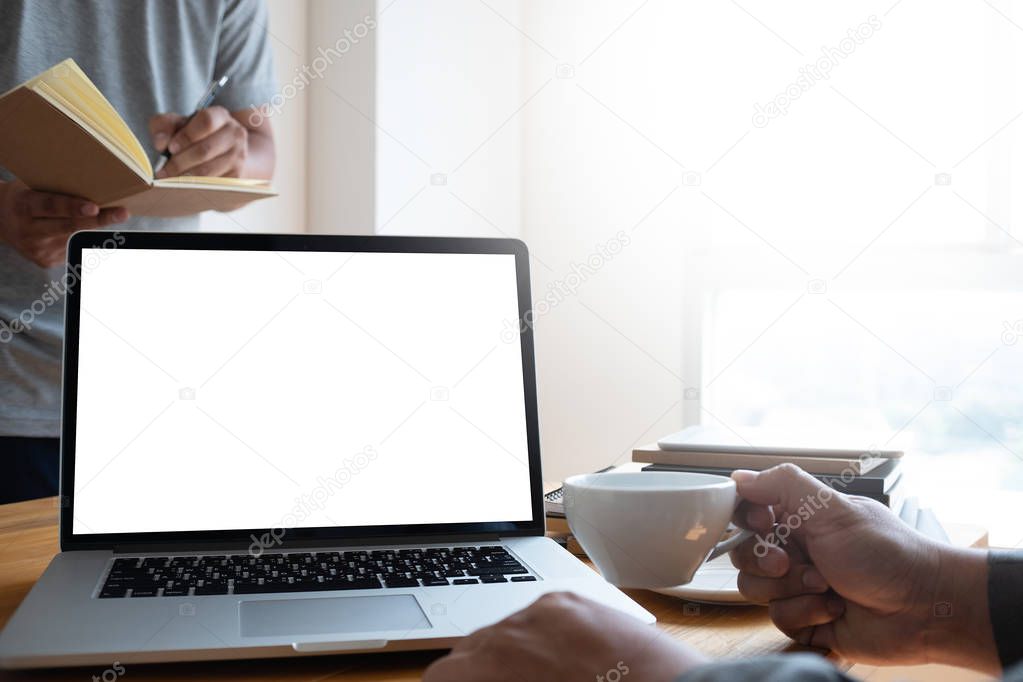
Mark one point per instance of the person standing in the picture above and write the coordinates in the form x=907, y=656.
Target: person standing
x=151, y=59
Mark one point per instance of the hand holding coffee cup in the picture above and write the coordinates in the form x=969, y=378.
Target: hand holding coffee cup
x=651, y=529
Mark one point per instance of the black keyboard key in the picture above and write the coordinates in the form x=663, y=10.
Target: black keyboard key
x=290, y=586
x=523, y=578
x=128, y=570
x=434, y=582
x=493, y=579
x=180, y=576
x=255, y=588
x=113, y=591
x=496, y=570
x=120, y=579
x=370, y=583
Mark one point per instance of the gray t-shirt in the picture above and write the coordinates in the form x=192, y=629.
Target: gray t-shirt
x=147, y=57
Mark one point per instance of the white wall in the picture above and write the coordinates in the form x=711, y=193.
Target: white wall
x=609, y=352
x=323, y=121
x=342, y=108
x=471, y=91
x=287, y=211
x=448, y=139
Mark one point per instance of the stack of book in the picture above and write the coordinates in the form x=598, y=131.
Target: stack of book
x=869, y=472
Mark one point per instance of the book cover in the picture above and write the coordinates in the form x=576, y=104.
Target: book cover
x=772, y=442
x=58, y=133
x=875, y=482
x=652, y=454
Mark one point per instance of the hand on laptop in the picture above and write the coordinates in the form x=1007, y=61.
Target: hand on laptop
x=848, y=575
x=38, y=224
x=562, y=636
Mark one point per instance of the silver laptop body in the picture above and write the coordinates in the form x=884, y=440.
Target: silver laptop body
x=289, y=445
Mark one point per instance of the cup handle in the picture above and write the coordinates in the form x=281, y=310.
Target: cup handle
x=729, y=544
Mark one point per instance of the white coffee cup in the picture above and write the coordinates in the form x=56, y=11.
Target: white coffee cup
x=651, y=529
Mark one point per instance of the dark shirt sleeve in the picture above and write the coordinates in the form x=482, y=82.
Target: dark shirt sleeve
x=803, y=667
x=1014, y=674
x=1005, y=603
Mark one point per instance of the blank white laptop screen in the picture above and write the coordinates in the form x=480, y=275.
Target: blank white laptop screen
x=226, y=390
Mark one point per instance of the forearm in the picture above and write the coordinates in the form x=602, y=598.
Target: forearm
x=957, y=623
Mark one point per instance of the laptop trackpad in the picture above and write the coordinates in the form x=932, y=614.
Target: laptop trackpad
x=281, y=617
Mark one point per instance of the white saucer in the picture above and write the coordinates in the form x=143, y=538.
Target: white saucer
x=714, y=583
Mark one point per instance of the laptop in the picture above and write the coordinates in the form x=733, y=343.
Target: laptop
x=292, y=445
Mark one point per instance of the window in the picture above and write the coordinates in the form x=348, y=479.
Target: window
x=894, y=207
x=820, y=203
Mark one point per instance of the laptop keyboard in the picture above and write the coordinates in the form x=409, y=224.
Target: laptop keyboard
x=181, y=576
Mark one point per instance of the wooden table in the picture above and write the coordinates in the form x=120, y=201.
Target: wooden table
x=28, y=540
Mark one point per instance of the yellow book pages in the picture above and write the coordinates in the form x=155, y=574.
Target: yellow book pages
x=67, y=87
x=82, y=119
x=77, y=144
x=240, y=183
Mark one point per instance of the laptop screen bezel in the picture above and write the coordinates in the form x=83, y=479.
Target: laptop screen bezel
x=284, y=243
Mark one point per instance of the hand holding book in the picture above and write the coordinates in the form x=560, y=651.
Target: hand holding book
x=61, y=135
x=38, y=224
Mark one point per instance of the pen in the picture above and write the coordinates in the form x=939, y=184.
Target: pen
x=204, y=101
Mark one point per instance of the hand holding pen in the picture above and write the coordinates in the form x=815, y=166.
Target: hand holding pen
x=209, y=142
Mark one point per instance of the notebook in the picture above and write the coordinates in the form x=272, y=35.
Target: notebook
x=756, y=440
x=875, y=482
x=58, y=133
x=762, y=459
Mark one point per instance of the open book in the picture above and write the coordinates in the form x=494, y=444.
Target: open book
x=58, y=133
